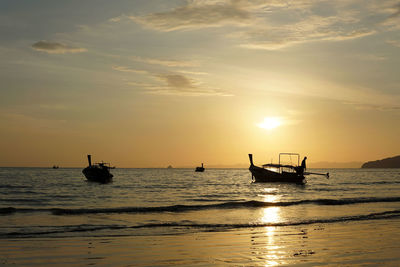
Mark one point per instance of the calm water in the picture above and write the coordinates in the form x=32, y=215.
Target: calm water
x=45, y=202
x=38, y=203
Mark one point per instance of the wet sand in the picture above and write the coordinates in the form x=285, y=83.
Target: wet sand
x=367, y=243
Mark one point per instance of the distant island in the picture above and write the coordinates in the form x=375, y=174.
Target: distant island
x=383, y=163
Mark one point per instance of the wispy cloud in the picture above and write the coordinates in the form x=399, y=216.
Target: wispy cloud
x=56, y=48
x=170, y=83
x=368, y=57
x=192, y=72
x=276, y=24
x=365, y=106
x=394, y=42
x=165, y=62
x=310, y=29
x=178, y=81
x=130, y=70
x=195, y=15
x=395, y=12
x=178, y=84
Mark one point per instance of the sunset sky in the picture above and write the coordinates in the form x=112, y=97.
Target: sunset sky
x=158, y=83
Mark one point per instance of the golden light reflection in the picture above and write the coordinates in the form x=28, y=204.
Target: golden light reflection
x=271, y=263
x=270, y=198
x=271, y=258
x=270, y=215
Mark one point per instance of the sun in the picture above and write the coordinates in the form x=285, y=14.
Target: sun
x=270, y=123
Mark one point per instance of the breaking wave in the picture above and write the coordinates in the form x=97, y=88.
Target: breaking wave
x=184, y=208
x=71, y=229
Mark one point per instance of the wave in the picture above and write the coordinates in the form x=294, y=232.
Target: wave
x=185, y=208
x=24, y=200
x=6, y=186
x=225, y=205
x=370, y=183
x=69, y=229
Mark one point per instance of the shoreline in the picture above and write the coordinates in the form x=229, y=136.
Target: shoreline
x=324, y=244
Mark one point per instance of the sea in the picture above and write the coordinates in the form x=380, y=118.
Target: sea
x=171, y=217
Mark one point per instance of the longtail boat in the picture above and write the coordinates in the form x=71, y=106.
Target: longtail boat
x=98, y=172
x=283, y=173
x=200, y=169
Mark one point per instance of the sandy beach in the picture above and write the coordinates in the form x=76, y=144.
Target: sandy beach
x=369, y=243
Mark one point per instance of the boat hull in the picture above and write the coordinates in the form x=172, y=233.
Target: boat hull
x=96, y=174
x=262, y=175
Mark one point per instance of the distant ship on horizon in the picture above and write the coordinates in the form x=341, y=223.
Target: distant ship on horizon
x=200, y=169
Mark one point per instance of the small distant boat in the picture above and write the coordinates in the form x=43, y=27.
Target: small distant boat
x=200, y=169
x=98, y=172
x=280, y=172
x=55, y=167
x=169, y=167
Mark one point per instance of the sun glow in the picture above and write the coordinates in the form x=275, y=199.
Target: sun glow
x=270, y=123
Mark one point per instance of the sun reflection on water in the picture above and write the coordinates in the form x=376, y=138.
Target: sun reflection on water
x=271, y=215
x=272, y=257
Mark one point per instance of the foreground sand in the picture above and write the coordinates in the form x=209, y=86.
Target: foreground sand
x=367, y=243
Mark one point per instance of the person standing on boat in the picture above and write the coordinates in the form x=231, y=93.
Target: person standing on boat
x=303, y=165
x=300, y=169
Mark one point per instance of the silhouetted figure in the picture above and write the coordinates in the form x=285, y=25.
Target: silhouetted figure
x=303, y=164
x=300, y=169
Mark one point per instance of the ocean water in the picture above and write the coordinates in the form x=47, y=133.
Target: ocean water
x=171, y=217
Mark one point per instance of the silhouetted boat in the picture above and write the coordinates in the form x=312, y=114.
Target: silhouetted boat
x=55, y=167
x=169, y=167
x=98, y=172
x=200, y=169
x=275, y=172
x=280, y=172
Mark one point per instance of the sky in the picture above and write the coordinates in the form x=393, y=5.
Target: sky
x=152, y=83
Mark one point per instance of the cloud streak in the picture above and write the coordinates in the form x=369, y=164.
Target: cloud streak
x=56, y=48
x=178, y=84
x=165, y=62
x=171, y=83
x=276, y=24
x=196, y=15
x=364, y=106
x=394, y=42
x=129, y=70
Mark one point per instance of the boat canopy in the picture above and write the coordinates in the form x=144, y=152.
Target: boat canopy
x=272, y=165
x=279, y=165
